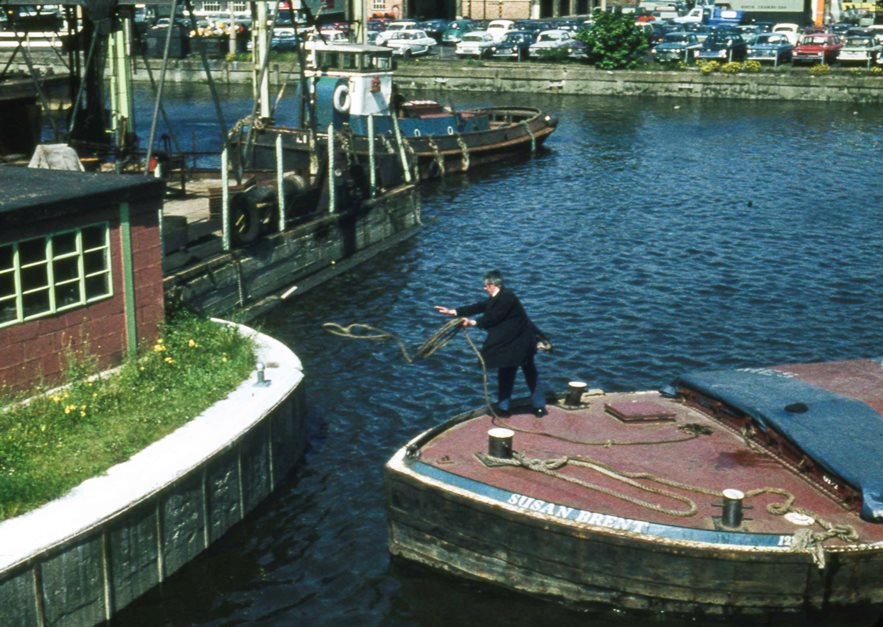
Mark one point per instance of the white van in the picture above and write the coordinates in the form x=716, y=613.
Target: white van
x=499, y=28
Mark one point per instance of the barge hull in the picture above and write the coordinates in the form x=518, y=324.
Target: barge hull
x=471, y=537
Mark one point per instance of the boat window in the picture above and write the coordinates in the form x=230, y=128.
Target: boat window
x=381, y=62
x=350, y=61
x=328, y=60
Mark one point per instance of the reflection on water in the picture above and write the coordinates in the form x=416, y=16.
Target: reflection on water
x=650, y=237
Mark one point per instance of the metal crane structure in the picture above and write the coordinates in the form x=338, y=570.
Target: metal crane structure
x=97, y=50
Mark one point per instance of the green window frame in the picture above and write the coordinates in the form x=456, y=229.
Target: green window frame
x=46, y=275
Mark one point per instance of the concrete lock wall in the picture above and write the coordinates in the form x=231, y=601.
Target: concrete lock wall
x=81, y=558
x=579, y=79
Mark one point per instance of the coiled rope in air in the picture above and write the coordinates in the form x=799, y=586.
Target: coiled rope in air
x=433, y=344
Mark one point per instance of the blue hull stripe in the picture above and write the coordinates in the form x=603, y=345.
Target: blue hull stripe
x=641, y=527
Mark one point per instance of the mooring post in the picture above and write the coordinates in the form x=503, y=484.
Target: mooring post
x=225, y=203
x=371, y=166
x=331, y=186
x=280, y=193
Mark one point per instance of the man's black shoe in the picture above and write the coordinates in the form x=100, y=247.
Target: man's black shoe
x=539, y=412
x=500, y=412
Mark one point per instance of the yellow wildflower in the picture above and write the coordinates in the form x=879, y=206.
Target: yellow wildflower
x=169, y=360
x=192, y=343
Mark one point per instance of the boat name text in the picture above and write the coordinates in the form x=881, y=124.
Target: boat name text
x=578, y=515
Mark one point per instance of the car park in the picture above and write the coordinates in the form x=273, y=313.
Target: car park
x=410, y=43
x=550, y=40
x=859, y=49
x=723, y=47
x=773, y=47
x=515, y=45
x=476, y=43
x=817, y=48
x=677, y=46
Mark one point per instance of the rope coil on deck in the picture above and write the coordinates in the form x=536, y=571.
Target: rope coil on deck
x=805, y=539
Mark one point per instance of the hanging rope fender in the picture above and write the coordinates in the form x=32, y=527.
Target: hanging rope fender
x=465, y=150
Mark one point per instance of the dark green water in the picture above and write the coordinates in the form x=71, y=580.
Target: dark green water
x=649, y=238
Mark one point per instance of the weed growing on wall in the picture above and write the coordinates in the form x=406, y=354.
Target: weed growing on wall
x=52, y=441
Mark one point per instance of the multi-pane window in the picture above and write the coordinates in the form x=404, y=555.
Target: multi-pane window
x=46, y=275
x=378, y=5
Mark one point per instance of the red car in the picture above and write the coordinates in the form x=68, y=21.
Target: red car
x=817, y=48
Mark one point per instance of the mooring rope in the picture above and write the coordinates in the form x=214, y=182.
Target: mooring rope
x=804, y=539
x=433, y=344
x=691, y=429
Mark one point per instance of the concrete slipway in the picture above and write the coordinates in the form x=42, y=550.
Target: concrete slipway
x=81, y=558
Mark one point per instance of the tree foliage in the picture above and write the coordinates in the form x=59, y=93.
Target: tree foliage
x=614, y=41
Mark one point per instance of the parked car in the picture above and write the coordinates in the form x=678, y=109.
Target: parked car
x=410, y=43
x=750, y=32
x=328, y=37
x=499, y=28
x=791, y=31
x=515, y=45
x=817, y=48
x=655, y=31
x=702, y=31
x=773, y=47
x=860, y=49
x=392, y=27
x=476, y=43
x=549, y=40
x=434, y=28
x=454, y=32
x=284, y=39
x=724, y=47
x=677, y=46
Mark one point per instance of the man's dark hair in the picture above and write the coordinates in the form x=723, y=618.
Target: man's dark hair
x=494, y=277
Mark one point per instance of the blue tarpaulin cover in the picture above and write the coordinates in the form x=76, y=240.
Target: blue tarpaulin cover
x=842, y=435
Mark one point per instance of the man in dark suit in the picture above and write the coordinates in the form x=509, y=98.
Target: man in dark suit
x=511, y=341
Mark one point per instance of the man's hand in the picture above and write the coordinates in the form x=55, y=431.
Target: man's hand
x=445, y=311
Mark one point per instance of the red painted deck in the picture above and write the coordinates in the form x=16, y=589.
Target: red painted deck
x=714, y=461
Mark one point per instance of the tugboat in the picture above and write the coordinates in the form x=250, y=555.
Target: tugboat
x=348, y=101
x=739, y=493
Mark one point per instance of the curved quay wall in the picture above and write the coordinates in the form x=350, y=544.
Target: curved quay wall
x=81, y=558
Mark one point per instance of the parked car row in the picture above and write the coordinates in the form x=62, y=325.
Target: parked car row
x=781, y=44
x=684, y=42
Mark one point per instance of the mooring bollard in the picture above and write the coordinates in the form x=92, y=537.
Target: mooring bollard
x=575, y=391
x=500, y=442
x=732, y=516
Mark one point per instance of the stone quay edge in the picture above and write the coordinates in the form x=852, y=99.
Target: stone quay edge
x=81, y=558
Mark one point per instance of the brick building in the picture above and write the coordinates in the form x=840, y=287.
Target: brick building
x=80, y=269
